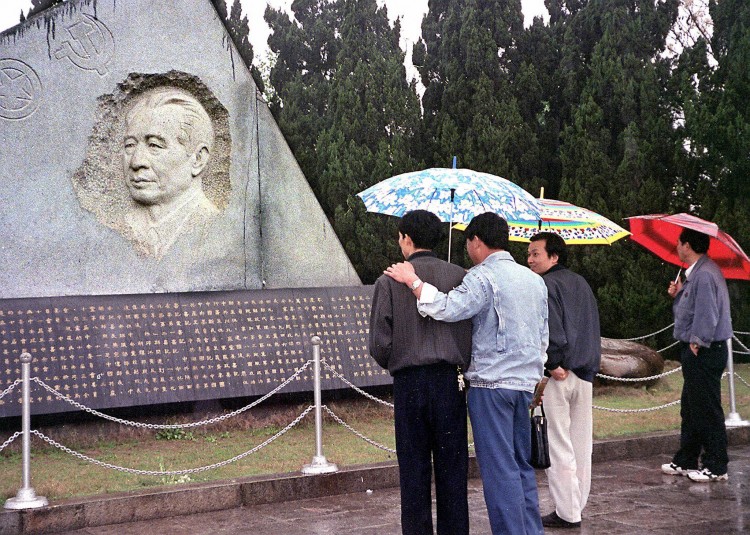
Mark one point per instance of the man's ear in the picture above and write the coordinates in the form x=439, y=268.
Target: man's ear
x=555, y=258
x=200, y=159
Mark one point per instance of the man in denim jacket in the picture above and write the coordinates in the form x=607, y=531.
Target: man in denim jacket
x=702, y=323
x=508, y=307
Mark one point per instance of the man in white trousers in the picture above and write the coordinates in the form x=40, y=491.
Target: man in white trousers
x=573, y=358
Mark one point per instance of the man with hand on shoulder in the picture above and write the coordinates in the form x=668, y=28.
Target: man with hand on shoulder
x=507, y=304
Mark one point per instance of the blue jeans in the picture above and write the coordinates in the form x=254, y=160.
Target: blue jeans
x=502, y=439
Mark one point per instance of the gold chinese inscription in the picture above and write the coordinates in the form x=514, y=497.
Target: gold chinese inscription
x=137, y=350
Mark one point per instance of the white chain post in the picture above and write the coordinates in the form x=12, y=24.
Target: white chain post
x=319, y=464
x=733, y=418
x=26, y=497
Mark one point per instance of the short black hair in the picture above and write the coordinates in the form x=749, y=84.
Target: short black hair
x=553, y=244
x=490, y=228
x=698, y=241
x=423, y=227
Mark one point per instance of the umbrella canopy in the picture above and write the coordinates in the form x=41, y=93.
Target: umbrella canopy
x=576, y=225
x=659, y=232
x=454, y=195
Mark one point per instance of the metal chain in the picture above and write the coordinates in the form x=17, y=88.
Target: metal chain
x=360, y=435
x=172, y=426
x=172, y=472
x=646, y=336
x=638, y=410
x=740, y=332
x=743, y=346
x=668, y=347
x=11, y=439
x=741, y=379
x=10, y=388
x=351, y=385
x=638, y=379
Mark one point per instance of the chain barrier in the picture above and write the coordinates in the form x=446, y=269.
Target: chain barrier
x=668, y=347
x=649, y=409
x=351, y=385
x=645, y=336
x=741, y=332
x=10, y=439
x=188, y=471
x=210, y=421
x=743, y=346
x=360, y=435
x=638, y=379
x=738, y=376
x=10, y=388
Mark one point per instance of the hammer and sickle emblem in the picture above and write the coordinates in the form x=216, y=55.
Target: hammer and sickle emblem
x=90, y=45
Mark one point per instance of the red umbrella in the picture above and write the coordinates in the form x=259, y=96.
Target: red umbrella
x=659, y=232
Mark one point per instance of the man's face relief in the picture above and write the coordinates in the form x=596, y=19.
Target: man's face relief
x=157, y=167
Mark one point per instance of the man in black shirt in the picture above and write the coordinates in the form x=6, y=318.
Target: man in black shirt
x=573, y=358
x=425, y=357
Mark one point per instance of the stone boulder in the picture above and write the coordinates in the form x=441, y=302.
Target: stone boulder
x=622, y=358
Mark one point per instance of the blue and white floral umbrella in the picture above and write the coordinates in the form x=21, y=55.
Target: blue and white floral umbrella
x=454, y=195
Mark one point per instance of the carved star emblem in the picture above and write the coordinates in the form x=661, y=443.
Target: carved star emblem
x=15, y=89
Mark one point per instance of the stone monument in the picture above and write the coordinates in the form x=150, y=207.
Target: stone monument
x=158, y=240
x=139, y=157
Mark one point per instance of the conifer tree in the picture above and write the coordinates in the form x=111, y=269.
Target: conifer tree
x=617, y=147
x=716, y=133
x=350, y=117
x=468, y=61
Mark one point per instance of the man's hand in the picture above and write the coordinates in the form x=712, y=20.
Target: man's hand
x=559, y=374
x=674, y=287
x=695, y=348
x=402, y=272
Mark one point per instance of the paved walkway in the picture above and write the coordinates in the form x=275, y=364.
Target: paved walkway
x=627, y=497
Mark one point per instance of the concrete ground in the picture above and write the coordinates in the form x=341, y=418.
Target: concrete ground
x=627, y=497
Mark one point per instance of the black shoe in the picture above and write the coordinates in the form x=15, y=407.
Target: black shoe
x=553, y=521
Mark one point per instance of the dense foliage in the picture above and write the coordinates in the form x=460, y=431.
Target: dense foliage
x=589, y=106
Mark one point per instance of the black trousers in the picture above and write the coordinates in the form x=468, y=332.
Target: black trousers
x=703, y=428
x=430, y=421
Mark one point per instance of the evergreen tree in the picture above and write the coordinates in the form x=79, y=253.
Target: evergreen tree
x=374, y=117
x=468, y=61
x=306, y=50
x=238, y=29
x=617, y=149
x=716, y=133
x=350, y=117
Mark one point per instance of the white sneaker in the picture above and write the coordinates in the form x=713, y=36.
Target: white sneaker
x=705, y=475
x=672, y=469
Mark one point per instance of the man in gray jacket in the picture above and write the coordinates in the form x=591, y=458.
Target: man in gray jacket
x=573, y=358
x=702, y=325
x=425, y=358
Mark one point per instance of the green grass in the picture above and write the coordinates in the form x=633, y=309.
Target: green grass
x=58, y=475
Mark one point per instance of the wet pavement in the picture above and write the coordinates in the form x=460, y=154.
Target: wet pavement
x=627, y=497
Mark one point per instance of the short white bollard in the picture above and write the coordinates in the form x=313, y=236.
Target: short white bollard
x=26, y=498
x=319, y=464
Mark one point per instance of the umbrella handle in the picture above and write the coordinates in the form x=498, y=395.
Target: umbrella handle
x=677, y=278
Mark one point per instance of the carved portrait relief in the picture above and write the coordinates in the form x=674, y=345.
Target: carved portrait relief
x=157, y=166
